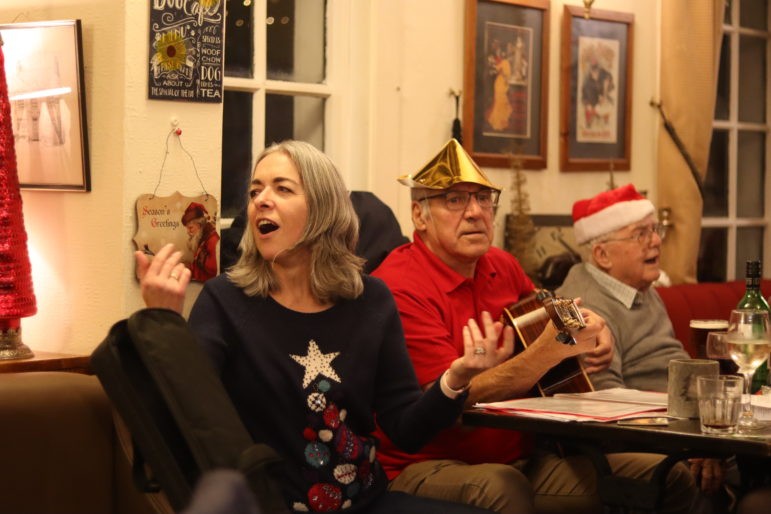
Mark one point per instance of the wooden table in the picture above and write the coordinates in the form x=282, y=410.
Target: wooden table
x=48, y=361
x=681, y=439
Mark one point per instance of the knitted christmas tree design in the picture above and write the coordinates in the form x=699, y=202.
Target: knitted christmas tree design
x=17, y=298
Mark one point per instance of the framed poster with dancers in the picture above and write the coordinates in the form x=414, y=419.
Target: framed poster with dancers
x=505, y=100
x=596, y=95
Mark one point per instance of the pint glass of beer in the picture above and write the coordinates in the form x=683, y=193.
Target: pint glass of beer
x=699, y=330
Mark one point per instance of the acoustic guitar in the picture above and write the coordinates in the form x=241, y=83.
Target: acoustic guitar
x=529, y=317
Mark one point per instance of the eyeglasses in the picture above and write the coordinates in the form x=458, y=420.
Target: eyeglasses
x=458, y=200
x=641, y=235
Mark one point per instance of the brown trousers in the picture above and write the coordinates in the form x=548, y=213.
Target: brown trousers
x=545, y=483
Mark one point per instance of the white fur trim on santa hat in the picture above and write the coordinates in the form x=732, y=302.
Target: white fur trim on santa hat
x=611, y=218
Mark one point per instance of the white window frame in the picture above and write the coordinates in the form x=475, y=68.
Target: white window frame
x=732, y=125
x=347, y=22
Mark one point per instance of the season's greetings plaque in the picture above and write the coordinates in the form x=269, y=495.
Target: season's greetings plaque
x=190, y=223
x=186, y=50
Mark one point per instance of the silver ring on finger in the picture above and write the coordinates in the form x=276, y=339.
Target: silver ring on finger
x=479, y=350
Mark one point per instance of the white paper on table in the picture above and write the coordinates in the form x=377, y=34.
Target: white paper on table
x=620, y=394
x=573, y=408
x=761, y=406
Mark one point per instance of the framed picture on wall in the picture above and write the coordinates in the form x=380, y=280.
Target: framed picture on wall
x=44, y=72
x=505, y=98
x=596, y=96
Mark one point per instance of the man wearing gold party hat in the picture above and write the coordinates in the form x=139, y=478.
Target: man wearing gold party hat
x=451, y=274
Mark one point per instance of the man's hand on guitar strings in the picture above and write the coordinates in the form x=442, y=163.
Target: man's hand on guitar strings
x=586, y=338
x=602, y=355
x=480, y=350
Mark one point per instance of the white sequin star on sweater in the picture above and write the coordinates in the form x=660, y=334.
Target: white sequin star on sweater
x=316, y=363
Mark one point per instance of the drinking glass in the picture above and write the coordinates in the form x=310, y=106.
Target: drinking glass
x=716, y=348
x=720, y=397
x=748, y=344
x=700, y=329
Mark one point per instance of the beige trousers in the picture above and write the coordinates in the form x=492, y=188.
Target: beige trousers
x=545, y=483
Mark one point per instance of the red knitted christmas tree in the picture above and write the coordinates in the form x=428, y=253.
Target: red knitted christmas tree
x=17, y=299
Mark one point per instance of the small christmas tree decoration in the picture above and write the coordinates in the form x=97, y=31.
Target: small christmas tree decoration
x=520, y=231
x=17, y=299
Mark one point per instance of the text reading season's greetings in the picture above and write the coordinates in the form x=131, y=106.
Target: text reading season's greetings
x=160, y=217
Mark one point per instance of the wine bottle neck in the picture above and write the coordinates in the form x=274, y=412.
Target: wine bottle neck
x=752, y=283
x=753, y=299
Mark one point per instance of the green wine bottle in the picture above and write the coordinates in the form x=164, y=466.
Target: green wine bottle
x=753, y=299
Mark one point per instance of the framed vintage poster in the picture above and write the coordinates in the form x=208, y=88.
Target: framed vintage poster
x=506, y=67
x=596, y=103
x=44, y=71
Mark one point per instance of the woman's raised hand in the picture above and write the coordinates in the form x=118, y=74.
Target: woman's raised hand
x=163, y=279
x=480, y=350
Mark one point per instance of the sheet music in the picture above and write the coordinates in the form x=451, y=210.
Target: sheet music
x=585, y=406
x=620, y=394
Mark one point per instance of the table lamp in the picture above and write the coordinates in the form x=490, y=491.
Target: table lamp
x=17, y=299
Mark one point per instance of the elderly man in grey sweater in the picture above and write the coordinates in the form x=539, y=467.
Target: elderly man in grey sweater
x=624, y=244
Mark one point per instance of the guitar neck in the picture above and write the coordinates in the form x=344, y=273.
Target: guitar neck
x=529, y=318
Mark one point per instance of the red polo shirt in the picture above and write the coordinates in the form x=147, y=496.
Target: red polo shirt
x=435, y=303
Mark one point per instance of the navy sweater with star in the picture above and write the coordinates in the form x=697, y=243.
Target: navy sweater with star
x=311, y=384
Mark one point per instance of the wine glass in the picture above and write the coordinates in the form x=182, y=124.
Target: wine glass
x=748, y=344
x=716, y=348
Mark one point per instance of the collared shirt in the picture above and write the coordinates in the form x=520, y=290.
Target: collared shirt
x=638, y=320
x=624, y=293
x=435, y=303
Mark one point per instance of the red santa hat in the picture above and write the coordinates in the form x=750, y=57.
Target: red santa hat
x=609, y=211
x=194, y=211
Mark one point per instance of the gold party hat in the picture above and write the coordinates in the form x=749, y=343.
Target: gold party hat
x=452, y=165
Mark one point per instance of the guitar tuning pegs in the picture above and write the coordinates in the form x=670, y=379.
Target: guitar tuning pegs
x=573, y=323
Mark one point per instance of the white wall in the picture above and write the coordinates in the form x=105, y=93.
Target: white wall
x=81, y=243
x=417, y=50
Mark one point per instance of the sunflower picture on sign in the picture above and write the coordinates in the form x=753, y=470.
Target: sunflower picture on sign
x=186, y=50
x=171, y=54
x=189, y=223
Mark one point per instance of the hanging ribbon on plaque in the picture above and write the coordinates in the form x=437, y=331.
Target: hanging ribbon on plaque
x=188, y=222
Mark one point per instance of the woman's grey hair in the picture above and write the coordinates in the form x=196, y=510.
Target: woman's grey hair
x=331, y=232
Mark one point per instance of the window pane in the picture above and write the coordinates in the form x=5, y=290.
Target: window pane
x=751, y=169
x=727, y=13
x=716, y=181
x=723, y=80
x=296, y=31
x=752, y=79
x=713, y=249
x=236, y=151
x=294, y=117
x=753, y=14
x=239, y=38
x=749, y=247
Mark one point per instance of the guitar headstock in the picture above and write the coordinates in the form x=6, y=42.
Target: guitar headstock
x=564, y=313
